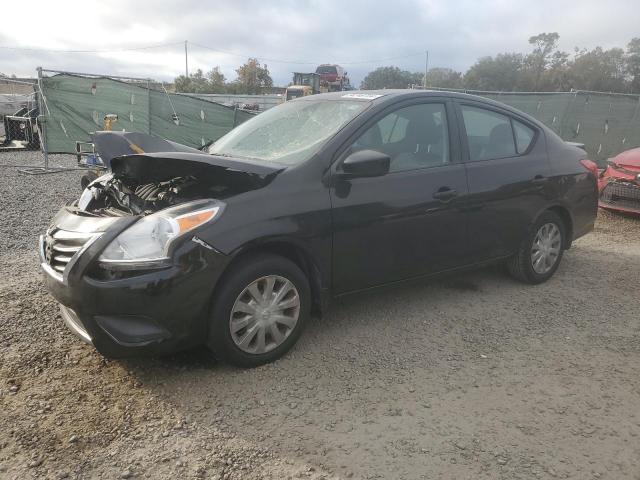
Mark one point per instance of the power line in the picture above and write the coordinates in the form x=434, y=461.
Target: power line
x=111, y=50
x=217, y=50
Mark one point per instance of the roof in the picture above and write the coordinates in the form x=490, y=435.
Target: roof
x=379, y=96
x=371, y=95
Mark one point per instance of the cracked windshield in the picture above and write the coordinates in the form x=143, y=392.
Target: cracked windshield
x=289, y=134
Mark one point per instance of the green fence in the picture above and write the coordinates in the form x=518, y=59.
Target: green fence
x=75, y=106
x=606, y=123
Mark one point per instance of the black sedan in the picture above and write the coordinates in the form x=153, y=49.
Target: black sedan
x=319, y=197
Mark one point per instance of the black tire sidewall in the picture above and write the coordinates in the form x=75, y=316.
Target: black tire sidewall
x=231, y=285
x=532, y=275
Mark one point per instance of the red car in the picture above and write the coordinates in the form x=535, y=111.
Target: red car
x=619, y=184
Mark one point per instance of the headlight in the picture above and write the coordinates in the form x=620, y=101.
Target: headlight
x=145, y=244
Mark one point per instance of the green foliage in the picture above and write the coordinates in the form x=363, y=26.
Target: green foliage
x=500, y=73
x=538, y=61
x=600, y=70
x=547, y=69
x=543, y=69
x=196, y=83
x=444, y=78
x=252, y=79
x=633, y=63
x=390, y=77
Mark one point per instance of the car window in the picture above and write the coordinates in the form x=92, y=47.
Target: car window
x=524, y=136
x=414, y=137
x=489, y=134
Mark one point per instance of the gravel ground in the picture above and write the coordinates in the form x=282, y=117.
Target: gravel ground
x=475, y=376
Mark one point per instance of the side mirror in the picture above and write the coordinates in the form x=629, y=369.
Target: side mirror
x=364, y=163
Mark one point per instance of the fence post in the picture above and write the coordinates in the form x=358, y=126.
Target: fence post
x=149, y=105
x=43, y=121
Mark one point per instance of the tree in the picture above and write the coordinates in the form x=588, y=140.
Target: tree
x=217, y=80
x=444, y=78
x=556, y=78
x=599, y=70
x=633, y=64
x=501, y=73
x=252, y=77
x=539, y=59
x=196, y=83
x=390, y=77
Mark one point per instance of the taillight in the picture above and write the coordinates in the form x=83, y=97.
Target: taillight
x=591, y=166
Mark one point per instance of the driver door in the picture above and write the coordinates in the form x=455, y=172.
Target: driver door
x=409, y=222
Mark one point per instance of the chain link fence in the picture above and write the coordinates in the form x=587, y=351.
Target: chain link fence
x=17, y=113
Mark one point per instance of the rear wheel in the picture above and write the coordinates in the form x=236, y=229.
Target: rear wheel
x=540, y=253
x=260, y=310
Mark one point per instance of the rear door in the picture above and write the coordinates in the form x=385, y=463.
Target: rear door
x=408, y=222
x=508, y=176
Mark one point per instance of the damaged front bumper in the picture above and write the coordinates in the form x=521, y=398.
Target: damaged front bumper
x=133, y=312
x=622, y=196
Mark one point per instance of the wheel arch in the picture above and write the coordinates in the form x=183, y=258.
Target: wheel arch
x=565, y=214
x=296, y=253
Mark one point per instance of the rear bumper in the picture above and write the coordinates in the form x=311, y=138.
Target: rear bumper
x=137, y=313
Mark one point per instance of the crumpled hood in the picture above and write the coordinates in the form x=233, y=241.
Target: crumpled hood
x=148, y=158
x=628, y=159
x=160, y=166
x=110, y=145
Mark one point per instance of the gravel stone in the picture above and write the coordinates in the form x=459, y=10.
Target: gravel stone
x=475, y=376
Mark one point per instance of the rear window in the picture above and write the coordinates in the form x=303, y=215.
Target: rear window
x=489, y=134
x=524, y=136
x=326, y=70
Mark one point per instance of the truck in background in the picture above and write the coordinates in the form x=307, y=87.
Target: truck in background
x=334, y=77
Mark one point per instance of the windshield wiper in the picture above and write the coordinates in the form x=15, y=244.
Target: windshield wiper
x=240, y=157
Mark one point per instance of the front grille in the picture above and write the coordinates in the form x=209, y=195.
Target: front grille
x=621, y=194
x=60, y=246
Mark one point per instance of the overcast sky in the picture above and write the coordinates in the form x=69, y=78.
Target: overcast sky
x=356, y=34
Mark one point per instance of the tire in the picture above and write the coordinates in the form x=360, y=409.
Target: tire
x=234, y=297
x=521, y=265
x=87, y=178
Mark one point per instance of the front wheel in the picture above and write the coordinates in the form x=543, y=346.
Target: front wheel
x=540, y=253
x=260, y=310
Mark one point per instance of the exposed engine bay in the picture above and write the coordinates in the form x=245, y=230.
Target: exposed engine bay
x=143, y=184
x=117, y=197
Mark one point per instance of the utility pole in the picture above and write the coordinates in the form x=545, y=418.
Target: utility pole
x=426, y=68
x=186, y=61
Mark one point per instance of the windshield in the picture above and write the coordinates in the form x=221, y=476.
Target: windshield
x=289, y=133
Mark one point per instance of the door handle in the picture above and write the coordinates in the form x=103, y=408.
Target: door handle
x=444, y=194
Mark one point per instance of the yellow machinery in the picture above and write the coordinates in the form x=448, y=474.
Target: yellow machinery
x=304, y=84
